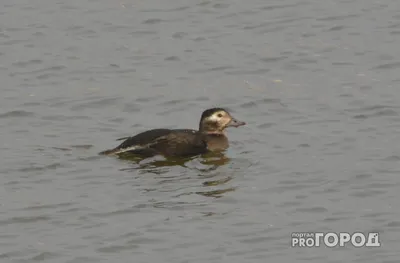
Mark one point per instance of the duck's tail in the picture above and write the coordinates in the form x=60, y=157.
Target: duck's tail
x=109, y=152
x=119, y=150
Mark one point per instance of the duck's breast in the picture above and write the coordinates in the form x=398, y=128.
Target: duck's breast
x=217, y=142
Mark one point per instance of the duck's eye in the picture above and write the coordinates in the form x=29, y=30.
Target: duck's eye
x=219, y=115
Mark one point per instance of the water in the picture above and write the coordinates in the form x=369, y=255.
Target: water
x=316, y=81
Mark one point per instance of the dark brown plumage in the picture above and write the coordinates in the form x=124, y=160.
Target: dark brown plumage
x=182, y=142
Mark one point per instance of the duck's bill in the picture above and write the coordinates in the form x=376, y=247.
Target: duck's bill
x=236, y=123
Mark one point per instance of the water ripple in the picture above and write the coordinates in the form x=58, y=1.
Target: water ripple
x=17, y=114
x=24, y=219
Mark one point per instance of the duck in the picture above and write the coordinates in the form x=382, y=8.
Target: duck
x=210, y=137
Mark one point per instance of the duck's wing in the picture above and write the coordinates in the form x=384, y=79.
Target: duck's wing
x=158, y=131
x=180, y=143
x=137, y=142
x=143, y=136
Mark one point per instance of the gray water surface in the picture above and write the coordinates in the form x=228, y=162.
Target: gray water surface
x=316, y=81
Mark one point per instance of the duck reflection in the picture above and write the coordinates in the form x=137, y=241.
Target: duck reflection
x=218, y=192
x=210, y=161
x=205, y=166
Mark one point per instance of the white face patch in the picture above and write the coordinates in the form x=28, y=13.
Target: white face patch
x=215, y=118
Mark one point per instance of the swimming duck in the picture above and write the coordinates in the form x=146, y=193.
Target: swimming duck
x=211, y=136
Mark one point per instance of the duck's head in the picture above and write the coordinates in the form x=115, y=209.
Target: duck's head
x=216, y=120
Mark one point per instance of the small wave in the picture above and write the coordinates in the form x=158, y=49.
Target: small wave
x=16, y=114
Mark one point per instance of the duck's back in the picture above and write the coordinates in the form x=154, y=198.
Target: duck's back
x=180, y=142
x=143, y=138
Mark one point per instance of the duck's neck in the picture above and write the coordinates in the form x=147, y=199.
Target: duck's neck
x=214, y=133
x=216, y=141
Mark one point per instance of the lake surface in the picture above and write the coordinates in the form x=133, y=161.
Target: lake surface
x=316, y=81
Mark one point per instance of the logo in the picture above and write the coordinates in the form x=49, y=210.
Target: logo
x=332, y=239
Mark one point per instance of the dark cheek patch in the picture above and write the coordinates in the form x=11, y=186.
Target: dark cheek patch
x=225, y=121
